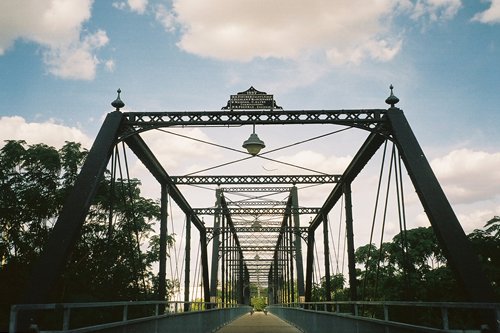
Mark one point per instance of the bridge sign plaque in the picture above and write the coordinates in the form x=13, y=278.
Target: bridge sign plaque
x=251, y=99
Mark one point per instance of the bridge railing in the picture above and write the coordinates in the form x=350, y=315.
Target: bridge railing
x=433, y=315
x=87, y=317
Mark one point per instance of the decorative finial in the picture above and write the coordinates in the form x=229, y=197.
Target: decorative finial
x=118, y=103
x=392, y=100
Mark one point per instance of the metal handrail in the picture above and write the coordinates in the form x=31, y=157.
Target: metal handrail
x=171, y=308
x=334, y=307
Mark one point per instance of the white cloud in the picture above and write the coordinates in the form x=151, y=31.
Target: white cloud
x=50, y=133
x=76, y=60
x=342, y=31
x=137, y=6
x=110, y=65
x=491, y=15
x=56, y=25
x=165, y=17
x=436, y=10
x=468, y=176
x=245, y=30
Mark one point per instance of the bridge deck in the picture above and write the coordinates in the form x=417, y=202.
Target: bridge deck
x=258, y=323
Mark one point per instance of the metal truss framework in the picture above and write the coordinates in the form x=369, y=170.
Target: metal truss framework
x=255, y=180
x=258, y=211
x=286, y=264
x=256, y=189
x=142, y=121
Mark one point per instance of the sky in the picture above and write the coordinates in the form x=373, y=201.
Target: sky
x=61, y=62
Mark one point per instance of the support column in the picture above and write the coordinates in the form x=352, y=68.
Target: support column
x=204, y=266
x=350, y=242
x=187, y=263
x=162, y=274
x=247, y=289
x=298, y=244
x=290, y=249
x=223, y=261
x=277, y=285
x=241, y=283
x=309, y=265
x=328, y=279
x=215, y=247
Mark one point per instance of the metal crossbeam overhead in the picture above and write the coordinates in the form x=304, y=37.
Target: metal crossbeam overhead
x=258, y=211
x=259, y=229
x=257, y=203
x=142, y=121
x=256, y=179
x=256, y=189
x=258, y=248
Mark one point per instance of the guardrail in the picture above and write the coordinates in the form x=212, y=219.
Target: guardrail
x=108, y=316
x=392, y=316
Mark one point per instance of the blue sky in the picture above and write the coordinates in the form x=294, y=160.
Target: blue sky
x=62, y=61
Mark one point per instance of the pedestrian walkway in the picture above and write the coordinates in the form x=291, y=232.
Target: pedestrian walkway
x=258, y=323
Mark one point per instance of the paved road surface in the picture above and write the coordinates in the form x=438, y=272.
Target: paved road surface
x=258, y=323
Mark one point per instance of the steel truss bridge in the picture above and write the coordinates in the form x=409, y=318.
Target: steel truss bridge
x=245, y=253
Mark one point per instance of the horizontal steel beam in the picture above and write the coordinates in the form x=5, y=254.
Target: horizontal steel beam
x=259, y=229
x=258, y=248
x=257, y=211
x=255, y=179
x=148, y=120
x=256, y=189
x=256, y=203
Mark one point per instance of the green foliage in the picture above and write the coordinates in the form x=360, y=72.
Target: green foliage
x=258, y=303
x=412, y=267
x=486, y=242
x=114, y=257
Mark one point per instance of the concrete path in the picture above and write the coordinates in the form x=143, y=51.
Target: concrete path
x=258, y=323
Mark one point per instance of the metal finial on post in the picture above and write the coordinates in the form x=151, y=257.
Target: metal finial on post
x=118, y=103
x=392, y=100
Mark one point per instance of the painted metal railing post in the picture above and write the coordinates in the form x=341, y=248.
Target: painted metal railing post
x=125, y=312
x=66, y=318
x=386, y=312
x=13, y=319
x=444, y=317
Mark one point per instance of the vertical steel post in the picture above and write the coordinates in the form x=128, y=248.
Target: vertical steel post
x=298, y=244
x=247, y=284
x=241, y=297
x=215, y=247
x=290, y=246
x=204, y=266
x=350, y=241
x=328, y=279
x=223, y=260
x=187, y=268
x=309, y=265
x=162, y=272
x=276, y=278
x=270, y=284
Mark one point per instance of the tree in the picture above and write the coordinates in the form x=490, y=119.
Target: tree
x=114, y=257
x=486, y=242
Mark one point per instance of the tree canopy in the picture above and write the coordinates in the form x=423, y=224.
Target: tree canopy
x=114, y=258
